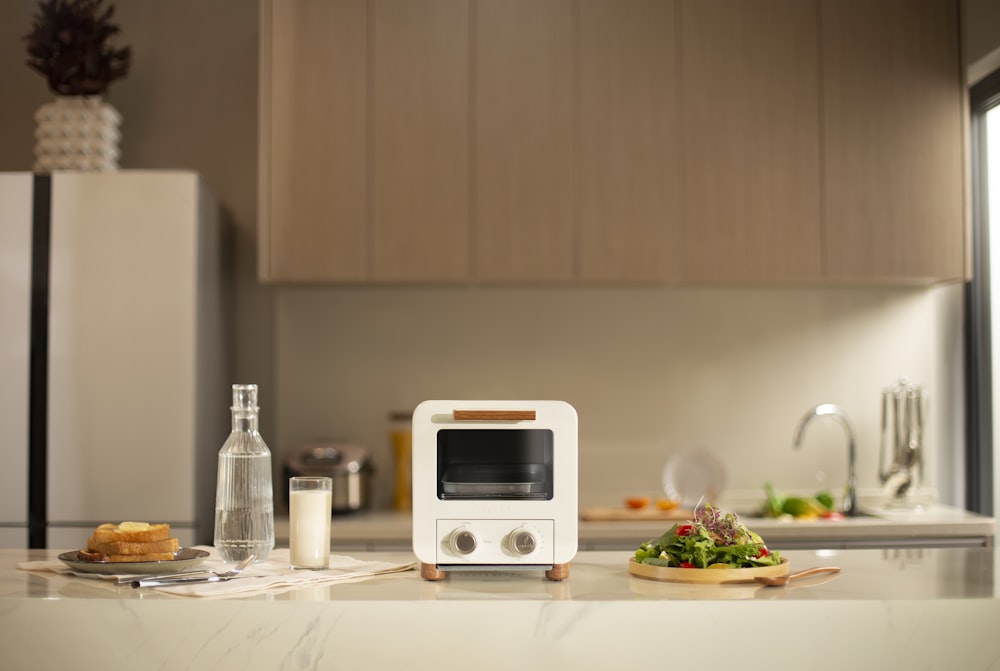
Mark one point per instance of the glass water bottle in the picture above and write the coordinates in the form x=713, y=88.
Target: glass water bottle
x=244, y=501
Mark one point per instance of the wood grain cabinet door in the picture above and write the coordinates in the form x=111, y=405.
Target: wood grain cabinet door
x=628, y=164
x=313, y=163
x=364, y=141
x=750, y=129
x=524, y=228
x=893, y=138
x=420, y=145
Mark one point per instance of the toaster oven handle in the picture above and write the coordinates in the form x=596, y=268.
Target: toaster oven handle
x=493, y=415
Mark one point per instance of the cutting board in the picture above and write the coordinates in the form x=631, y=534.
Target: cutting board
x=622, y=514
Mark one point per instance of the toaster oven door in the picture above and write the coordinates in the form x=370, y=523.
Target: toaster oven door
x=495, y=464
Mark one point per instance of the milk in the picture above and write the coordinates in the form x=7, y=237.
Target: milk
x=309, y=528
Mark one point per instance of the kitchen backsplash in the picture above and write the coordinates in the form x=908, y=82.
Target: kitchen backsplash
x=651, y=372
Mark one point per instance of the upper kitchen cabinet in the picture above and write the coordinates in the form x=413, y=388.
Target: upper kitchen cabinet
x=365, y=140
x=575, y=156
x=750, y=140
x=611, y=141
x=313, y=163
x=419, y=188
x=628, y=163
x=524, y=140
x=893, y=138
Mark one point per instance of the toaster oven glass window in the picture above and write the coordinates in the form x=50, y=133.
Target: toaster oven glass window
x=494, y=464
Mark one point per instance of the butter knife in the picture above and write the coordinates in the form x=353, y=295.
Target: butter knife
x=180, y=579
x=193, y=576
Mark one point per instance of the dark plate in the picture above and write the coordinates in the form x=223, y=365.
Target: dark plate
x=184, y=559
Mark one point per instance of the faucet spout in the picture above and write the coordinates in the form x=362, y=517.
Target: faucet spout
x=829, y=409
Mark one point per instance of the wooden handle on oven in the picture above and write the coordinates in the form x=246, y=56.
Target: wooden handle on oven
x=493, y=415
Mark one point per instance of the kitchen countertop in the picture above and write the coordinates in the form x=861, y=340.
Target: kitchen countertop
x=933, y=526
x=896, y=608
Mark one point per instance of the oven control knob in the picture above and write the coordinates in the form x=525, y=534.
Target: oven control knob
x=463, y=541
x=522, y=542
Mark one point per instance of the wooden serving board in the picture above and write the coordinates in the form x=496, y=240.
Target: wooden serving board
x=706, y=576
x=648, y=514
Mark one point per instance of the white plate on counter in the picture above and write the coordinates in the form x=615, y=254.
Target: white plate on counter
x=694, y=477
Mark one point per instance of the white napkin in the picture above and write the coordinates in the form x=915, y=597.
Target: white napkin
x=56, y=566
x=271, y=575
x=274, y=575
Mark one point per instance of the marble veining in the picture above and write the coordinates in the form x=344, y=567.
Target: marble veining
x=920, y=608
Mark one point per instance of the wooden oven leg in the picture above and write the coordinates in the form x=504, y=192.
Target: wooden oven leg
x=557, y=572
x=430, y=572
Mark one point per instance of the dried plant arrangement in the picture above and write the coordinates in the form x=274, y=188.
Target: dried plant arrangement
x=70, y=44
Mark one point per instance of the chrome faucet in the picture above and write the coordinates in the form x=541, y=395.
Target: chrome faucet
x=851, y=495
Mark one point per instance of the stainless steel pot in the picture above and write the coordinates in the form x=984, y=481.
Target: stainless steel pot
x=347, y=464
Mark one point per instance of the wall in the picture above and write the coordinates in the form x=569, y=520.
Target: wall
x=651, y=371
x=189, y=102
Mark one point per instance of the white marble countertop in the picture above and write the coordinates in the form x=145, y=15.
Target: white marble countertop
x=934, y=525
x=892, y=608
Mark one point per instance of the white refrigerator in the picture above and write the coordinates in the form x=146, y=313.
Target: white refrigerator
x=114, y=376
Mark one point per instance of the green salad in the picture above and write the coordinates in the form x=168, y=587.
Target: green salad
x=713, y=539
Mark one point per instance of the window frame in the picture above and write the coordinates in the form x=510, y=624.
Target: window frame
x=979, y=453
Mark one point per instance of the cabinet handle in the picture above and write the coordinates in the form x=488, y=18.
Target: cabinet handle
x=493, y=415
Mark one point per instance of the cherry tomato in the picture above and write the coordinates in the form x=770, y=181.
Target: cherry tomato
x=764, y=552
x=686, y=564
x=684, y=529
x=637, y=502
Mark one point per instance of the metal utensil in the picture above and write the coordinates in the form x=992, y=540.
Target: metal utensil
x=193, y=576
x=783, y=580
x=902, y=425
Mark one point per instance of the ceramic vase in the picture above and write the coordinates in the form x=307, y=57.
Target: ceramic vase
x=77, y=133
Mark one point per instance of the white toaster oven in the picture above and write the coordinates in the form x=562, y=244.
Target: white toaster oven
x=494, y=485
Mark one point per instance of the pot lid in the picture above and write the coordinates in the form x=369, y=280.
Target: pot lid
x=335, y=456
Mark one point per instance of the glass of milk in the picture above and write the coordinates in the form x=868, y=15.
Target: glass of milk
x=310, y=504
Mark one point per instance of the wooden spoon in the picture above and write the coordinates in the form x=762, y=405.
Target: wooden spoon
x=783, y=580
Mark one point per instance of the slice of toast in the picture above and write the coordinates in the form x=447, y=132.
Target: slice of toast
x=131, y=532
x=170, y=545
x=154, y=556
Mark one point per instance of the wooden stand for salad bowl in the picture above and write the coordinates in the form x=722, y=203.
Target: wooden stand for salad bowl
x=706, y=576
